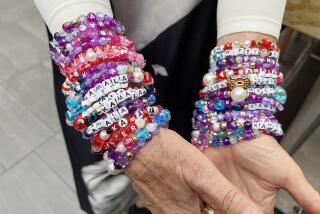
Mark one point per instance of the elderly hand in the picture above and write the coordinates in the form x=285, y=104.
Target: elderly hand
x=260, y=168
x=169, y=174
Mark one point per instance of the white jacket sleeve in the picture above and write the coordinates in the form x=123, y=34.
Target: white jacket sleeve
x=262, y=16
x=57, y=12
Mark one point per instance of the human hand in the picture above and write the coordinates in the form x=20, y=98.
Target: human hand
x=260, y=168
x=169, y=174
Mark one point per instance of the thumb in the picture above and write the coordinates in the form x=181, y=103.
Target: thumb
x=304, y=194
x=217, y=192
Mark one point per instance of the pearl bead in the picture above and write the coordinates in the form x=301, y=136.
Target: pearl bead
x=91, y=55
x=195, y=133
x=209, y=79
x=140, y=123
x=69, y=47
x=247, y=43
x=104, y=135
x=121, y=148
x=229, y=73
x=223, y=126
x=238, y=94
x=216, y=127
x=138, y=76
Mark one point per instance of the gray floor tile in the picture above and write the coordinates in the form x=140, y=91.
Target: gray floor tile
x=10, y=15
x=34, y=88
x=1, y=168
x=26, y=6
x=22, y=48
x=54, y=154
x=7, y=69
x=21, y=131
x=30, y=187
x=35, y=26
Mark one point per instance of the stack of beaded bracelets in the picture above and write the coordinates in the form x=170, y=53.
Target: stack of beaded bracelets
x=110, y=99
x=240, y=95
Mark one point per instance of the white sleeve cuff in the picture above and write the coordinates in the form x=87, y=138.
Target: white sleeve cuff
x=250, y=16
x=56, y=12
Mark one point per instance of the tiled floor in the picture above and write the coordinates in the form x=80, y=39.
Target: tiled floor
x=35, y=172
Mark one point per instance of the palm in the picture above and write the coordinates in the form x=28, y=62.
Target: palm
x=258, y=168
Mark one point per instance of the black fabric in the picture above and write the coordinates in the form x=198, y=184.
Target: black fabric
x=183, y=49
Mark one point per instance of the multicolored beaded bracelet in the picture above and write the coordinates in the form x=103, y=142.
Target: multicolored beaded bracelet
x=240, y=95
x=110, y=98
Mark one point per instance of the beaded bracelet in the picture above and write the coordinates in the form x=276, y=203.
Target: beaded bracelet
x=110, y=98
x=240, y=95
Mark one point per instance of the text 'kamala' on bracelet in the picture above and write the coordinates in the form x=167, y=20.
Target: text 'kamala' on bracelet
x=110, y=98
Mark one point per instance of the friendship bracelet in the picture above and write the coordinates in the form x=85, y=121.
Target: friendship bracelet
x=240, y=96
x=110, y=99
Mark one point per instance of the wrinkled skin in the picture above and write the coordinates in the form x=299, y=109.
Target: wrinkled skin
x=170, y=174
x=259, y=168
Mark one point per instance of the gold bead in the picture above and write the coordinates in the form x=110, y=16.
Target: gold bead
x=99, y=111
x=223, y=126
x=74, y=21
x=129, y=154
x=252, y=65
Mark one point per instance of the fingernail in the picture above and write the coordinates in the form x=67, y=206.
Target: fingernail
x=252, y=210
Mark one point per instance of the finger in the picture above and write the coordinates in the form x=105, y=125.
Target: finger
x=304, y=194
x=217, y=191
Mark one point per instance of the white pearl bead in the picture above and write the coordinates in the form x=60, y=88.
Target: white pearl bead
x=121, y=148
x=238, y=94
x=195, y=133
x=140, y=123
x=91, y=55
x=216, y=127
x=104, y=135
x=151, y=127
x=209, y=79
x=76, y=74
x=69, y=47
x=230, y=73
x=247, y=44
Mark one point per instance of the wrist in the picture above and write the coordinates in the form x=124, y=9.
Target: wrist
x=244, y=36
